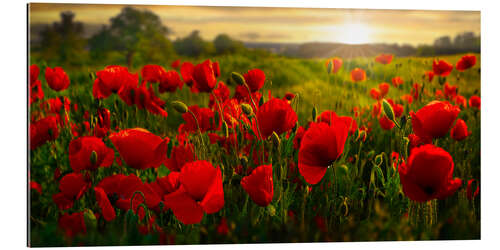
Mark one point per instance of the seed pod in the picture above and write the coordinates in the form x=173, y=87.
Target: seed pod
x=238, y=78
x=180, y=107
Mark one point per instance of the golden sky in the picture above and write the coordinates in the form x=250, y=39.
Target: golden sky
x=291, y=25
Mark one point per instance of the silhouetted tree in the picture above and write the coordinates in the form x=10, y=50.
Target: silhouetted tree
x=193, y=45
x=226, y=45
x=63, y=41
x=134, y=31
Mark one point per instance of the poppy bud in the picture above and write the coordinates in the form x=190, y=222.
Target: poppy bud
x=275, y=139
x=341, y=170
x=93, y=157
x=89, y=218
x=389, y=112
x=180, y=107
x=314, y=113
x=247, y=109
x=238, y=78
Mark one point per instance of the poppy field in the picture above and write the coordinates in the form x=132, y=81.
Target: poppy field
x=241, y=150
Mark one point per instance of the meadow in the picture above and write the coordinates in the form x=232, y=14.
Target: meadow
x=244, y=169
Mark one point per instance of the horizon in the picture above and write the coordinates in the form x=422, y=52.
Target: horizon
x=283, y=25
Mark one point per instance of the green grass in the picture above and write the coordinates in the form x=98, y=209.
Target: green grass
x=362, y=205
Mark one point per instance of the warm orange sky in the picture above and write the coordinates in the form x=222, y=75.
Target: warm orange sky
x=287, y=24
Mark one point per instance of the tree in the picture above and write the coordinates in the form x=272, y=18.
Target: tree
x=63, y=41
x=225, y=45
x=130, y=31
x=193, y=45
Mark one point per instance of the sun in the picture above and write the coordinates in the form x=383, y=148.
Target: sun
x=354, y=33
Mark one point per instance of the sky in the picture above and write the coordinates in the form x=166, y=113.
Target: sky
x=285, y=25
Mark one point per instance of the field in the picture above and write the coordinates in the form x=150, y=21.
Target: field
x=274, y=167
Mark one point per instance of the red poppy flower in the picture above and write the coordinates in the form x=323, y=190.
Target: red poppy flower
x=120, y=189
x=442, y=67
x=140, y=148
x=450, y=91
x=255, y=79
x=152, y=73
x=187, y=70
x=385, y=123
x=56, y=78
x=72, y=224
x=108, y=212
x=216, y=67
x=204, y=76
x=34, y=72
x=336, y=63
x=416, y=141
x=167, y=184
x=475, y=101
x=241, y=94
x=288, y=96
x=36, y=91
x=331, y=117
x=321, y=145
x=180, y=155
x=36, y=186
x=384, y=58
x=407, y=98
x=434, y=120
x=89, y=153
x=221, y=93
x=204, y=116
x=259, y=185
x=298, y=137
x=375, y=94
x=396, y=81
x=384, y=88
x=155, y=105
x=170, y=81
x=460, y=101
x=277, y=116
x=112, y=80
x=466, y=62
x=358, y=75
x=200, y=192
x=175, y=64
x=223, y=228
x=459, y=131
x=43, y=130
x=103, y=123
x=72, y=186
x=415, y=91
x=430, y=75
x=439, y=94
x=428, y=174
x=472, y=194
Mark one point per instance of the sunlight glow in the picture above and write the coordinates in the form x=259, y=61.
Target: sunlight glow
x=354, y=33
